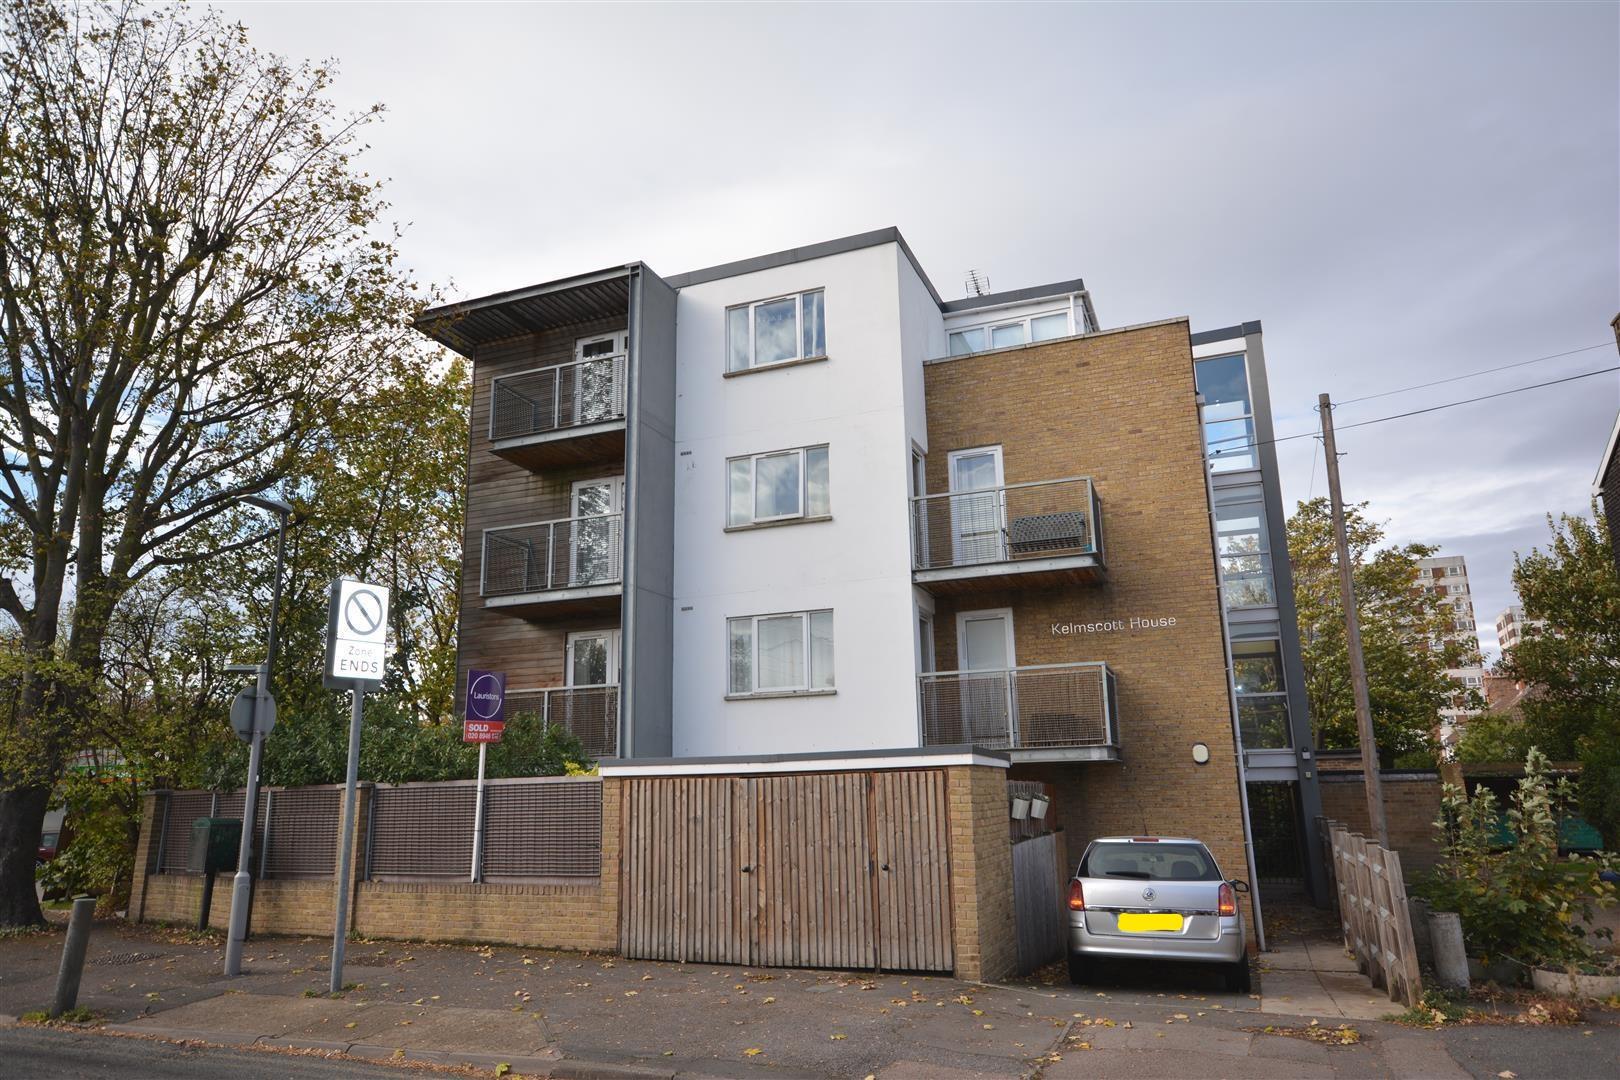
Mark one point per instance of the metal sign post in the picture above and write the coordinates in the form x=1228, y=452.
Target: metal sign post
x=484, y=723
x=356, y=651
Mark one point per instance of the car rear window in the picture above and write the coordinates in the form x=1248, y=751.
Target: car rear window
x=1150, y=862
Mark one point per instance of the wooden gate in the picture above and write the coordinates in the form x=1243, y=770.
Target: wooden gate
x=840, y=870
x=1038, y=910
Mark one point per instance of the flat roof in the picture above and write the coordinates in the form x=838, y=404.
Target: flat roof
x=1226, y=333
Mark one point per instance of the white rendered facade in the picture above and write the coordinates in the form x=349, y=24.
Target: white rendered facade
x=1512, y=627
x=1447, y=577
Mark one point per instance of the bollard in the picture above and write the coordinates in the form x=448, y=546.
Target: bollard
x=78, y=939
x=1450, y=956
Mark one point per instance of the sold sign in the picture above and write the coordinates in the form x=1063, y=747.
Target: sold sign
x=486, y=707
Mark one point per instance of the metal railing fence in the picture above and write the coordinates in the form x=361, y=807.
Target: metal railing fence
x=1043, y=706
x=1042, y=519
x=558, y=397
x=589, y=713
x=542, y=556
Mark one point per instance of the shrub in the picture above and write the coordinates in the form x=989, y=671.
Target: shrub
x=1526, y=901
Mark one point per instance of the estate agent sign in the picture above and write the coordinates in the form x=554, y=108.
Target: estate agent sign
x=486, y=707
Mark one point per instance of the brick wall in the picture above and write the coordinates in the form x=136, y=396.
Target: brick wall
x=981, y=873
x=1411, y=805
x=1120, y=408
x=579, y=914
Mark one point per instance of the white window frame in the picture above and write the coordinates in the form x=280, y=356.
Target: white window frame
x=807, y=687
x=614, y=647
x=619, y=338
x=615, y=485
x=803, y=512
x=798, y=329
x=994, y=324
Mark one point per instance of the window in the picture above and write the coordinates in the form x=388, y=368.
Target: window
x=1228, y=416
x=780, y=654
x=1003, y=335
x=784, y=485
x=1257, y=675
x=1240, y=532
x=776, y=331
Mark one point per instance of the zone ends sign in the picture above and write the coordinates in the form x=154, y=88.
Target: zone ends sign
x=356, y=635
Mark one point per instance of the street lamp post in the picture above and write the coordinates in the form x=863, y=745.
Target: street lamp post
x=263, y=706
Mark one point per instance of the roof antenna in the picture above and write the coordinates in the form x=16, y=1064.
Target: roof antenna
x=977, y=284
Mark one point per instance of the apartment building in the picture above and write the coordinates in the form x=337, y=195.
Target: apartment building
x=1446, y=576
x=802, y=507
x=1513, y=627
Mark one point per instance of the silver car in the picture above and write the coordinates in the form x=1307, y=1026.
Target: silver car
x=1155, y=898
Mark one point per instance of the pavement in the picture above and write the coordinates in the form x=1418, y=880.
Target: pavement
x=558, y=1014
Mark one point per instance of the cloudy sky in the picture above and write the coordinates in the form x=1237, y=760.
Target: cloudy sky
x=1402, y=193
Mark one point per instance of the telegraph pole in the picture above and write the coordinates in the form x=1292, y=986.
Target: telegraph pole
x=1352, y=634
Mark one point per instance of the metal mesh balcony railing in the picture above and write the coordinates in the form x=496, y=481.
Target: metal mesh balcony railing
x=569, y=553
x=1046, y=706
x=589, y=713
x=1044, y=519
x=555, y=398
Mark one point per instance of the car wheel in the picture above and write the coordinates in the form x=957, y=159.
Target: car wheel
x=1077, y=969
x=1237, y=977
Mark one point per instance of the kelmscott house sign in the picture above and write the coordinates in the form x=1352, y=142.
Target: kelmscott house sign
x=1112, y=626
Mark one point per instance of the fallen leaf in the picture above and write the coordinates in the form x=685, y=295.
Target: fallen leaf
x=839, y=1037
x=352, y=1024
x=502, y=1069
x=770, y=1000
x=1508, y=1074
x=978, y=1012
x=753, y=1051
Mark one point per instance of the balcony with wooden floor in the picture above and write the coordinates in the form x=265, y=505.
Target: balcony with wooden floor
x=1032, y=535
x=570, y=566
x=1043, y=712
x=589, y=713
x=560, y=415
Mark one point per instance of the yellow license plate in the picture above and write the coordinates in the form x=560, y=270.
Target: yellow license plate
x=1136, y=922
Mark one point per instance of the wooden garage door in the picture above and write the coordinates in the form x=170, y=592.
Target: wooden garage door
x=840, y=870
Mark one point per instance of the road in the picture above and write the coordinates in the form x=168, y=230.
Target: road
x=43, y=1053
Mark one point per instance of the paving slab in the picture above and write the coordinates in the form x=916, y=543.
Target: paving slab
x=1290, y=956
x=1330, y=956
x=231, y=1013
x=1297, y=993
x=1002, y=1036
x=927, y=1070
x=1355, y=997
x=1148, y=1065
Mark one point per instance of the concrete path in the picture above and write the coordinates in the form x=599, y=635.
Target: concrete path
x=1318, y=978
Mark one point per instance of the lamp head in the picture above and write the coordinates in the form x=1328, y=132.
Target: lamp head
x=264, y=502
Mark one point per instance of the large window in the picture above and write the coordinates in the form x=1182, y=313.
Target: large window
x=1002, y=335
x=1228, y=416
x=1240, y=530
x=776, y=331
x=784, y=485
x=1262, y=698
x=780, y=654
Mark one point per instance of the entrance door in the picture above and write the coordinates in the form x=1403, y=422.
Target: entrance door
x=594, y=536
x=979, y=514
x=984, y=640
x=599, y=385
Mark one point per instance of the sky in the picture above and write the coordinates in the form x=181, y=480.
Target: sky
x=1401, y=193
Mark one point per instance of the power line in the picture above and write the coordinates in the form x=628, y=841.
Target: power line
x=1420, y=412
x=1471, y=375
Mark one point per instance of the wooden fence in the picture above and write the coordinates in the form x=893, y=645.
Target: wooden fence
x=1374, y=914
x=1038, y=908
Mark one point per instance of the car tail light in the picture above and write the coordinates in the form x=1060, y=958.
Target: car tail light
x=1228, y=901
x=1077, y=896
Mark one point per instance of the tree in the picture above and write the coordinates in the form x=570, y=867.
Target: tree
x=1406, y=679
x=1574, y=663
x=194, y=284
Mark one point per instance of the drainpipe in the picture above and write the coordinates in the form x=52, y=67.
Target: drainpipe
x=1231, y=693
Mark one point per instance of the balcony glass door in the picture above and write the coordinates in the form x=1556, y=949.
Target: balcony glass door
x=593, y=548
x=984, y=654
x=978, y=507
x=984, y=640
x=599, y=385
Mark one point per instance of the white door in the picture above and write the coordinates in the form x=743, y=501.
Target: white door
x=984, y=640
x=595, y=533
x=593, y=658
x=978, y=514
x=598, y=383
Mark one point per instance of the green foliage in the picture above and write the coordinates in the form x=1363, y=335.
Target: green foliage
x=1407, y=681
x=1495, y=737
x=97, y=860
x=1526, y=901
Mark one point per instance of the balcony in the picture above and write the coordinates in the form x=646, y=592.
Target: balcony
x=1045, y=712
x=566, y=414
x=1034, y=535
x=589, y=713
x=564, y=567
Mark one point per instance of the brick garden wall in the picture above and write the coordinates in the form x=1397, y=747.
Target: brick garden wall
x=1411, y=804
x=577, y=914
x=1120, y=408
x=981, y=873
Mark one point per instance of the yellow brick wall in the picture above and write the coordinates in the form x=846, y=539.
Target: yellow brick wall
x=981, y=873
x=1120, y=408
